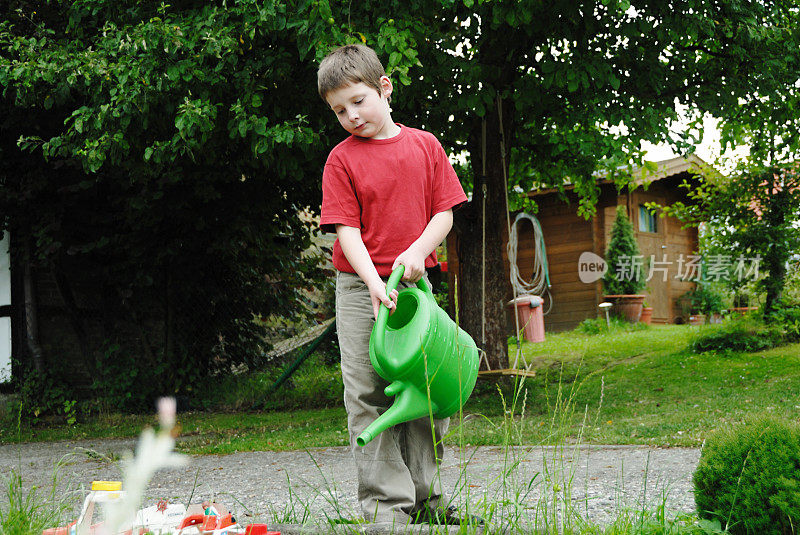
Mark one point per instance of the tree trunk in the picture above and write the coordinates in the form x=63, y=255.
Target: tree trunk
x=482, y=314
x=31, y=319
x=778, y=254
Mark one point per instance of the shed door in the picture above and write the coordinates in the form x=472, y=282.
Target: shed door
x=653, y=244
x=5, y=309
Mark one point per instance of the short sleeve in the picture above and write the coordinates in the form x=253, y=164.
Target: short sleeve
x=339, y=201
x=447, y=190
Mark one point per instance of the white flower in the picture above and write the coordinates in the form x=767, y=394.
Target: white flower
x=154, y=452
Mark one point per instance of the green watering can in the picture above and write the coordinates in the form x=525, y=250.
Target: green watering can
x=431, y=363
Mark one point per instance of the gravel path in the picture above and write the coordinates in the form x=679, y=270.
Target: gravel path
x=260, y=485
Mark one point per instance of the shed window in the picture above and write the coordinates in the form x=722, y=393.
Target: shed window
x=648, y=222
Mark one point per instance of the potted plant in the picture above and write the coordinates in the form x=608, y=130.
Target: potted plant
x=647, y=313
x=690, y=307
x=712, y=302
x=701, y=303
x=624, y=280
x=697, y=319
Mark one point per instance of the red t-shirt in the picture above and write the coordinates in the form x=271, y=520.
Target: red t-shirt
x=390, y=189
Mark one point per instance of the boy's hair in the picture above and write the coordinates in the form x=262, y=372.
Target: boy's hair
x=349, y=64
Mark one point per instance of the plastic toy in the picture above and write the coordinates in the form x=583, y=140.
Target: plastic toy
x=431, y=363
x=198, y=519
x=259, y=529
x=101, y=494
x=216, y=524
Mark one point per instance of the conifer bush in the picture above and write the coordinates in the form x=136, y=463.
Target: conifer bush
x=748, y=478
x=624, y=275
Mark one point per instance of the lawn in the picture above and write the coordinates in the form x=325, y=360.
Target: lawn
x=638, y=387
x=646, y=387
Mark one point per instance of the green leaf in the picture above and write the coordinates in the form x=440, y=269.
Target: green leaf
x=261, y=126
x=572, y=85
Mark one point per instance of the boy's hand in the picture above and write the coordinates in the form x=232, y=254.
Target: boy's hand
x=377, y=293
x=414, y=262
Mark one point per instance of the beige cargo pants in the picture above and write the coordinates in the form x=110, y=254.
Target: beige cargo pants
x=398, y=469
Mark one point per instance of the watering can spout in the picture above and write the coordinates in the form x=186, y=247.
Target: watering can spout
x=409, y=404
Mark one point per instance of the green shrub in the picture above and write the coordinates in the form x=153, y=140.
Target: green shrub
x=789, y=319
x=748, y=478
x=122, y=383
x=41, y=396
x=615, y=324
x=624, y=275
x=707, y=298
x=740, y=334
x=594, y=325
x=791, y=288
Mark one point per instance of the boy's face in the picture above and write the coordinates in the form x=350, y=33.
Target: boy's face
x=362, y=111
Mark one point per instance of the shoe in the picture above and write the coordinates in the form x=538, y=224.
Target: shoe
x=444, y=516
x=395, y=518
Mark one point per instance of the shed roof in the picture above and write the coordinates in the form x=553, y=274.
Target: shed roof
x=665, y=169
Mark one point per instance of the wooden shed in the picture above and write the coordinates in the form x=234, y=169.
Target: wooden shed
x=664, y=244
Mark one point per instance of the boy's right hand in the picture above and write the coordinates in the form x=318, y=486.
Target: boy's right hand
x=377, y=293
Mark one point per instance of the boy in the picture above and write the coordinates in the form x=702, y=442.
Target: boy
x=388, y=191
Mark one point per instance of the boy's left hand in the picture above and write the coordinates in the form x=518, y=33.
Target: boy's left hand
x=414, y=263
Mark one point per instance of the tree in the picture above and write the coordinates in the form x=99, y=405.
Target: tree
x=753, y=213
x=562, y=90
x=164, y=147
x=751, y=216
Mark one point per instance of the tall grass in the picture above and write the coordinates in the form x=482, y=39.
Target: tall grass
x=541, y=502
x=545, y=501
x=516, y=500
x=26, y=511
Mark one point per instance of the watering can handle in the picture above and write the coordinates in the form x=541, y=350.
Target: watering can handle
x=383, y=310
x=394, y=280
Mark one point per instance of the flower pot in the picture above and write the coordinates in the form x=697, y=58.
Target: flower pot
x=647, y=315
x=697, y=319
x=628, y=307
